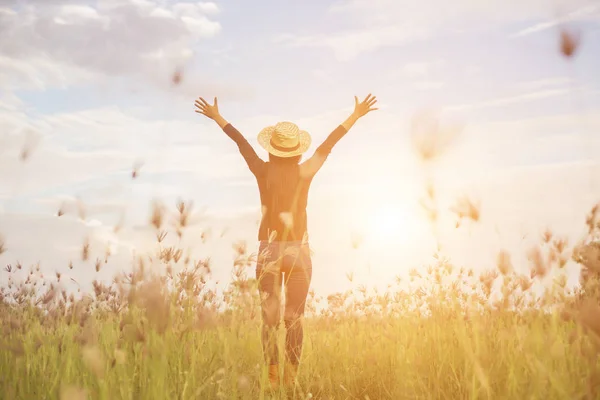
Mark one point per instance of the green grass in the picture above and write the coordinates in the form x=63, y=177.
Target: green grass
x=495, y=355
x=445, y=333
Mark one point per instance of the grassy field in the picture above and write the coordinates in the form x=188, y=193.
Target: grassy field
x=494, y=357
x=439, y=337
x=444, y=333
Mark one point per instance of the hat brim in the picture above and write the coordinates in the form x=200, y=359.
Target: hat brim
x=264, y=139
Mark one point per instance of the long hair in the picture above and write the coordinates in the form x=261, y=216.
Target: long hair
x=285, y=160
x=283, y=167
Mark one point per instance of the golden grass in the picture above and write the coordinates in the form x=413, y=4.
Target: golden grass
x=446, y=333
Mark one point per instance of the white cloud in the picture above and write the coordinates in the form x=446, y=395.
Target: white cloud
x=503, y=101
x=589, y=12
x=416, y=69
x=384, y=23
x=557, y=81
x=39, y=72
x=386, y=11
x=537, y=28
x=507, y=151
x=49, y=44
x=323, y=75
x=422, y=75
x=93, y=223
x=105, y=143
x=72, y=14
x=348, y=45
x=428, y=85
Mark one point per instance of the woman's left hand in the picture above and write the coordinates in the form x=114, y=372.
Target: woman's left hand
x=366, y=106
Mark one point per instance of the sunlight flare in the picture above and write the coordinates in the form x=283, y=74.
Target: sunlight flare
x=391, y=224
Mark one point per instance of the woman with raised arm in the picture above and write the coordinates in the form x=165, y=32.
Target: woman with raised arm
x=284, y=254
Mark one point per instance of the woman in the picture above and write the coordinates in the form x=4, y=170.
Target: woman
x=284, y=253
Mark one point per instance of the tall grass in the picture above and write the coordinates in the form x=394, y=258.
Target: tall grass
x=447, y=333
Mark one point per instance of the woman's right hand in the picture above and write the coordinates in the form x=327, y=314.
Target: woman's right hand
x=211, y=111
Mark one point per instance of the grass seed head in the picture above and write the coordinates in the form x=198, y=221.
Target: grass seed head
x=2, y=245
x=465, y=208
x=85, y=250
x=504, y=262
x=569, y=42
x=158, y=214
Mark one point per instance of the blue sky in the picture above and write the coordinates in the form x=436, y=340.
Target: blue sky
x=89, y=82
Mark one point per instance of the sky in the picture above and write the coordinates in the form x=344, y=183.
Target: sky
x=86, y=88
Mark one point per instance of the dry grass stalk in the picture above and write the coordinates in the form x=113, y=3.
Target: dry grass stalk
x=81, y=212
x=177, y=77
x=504, y=262
x=430, y=137
x=31, y=142
x=85, y=251
x=466, y=208
x=569, y=42
x=61, y=209
x=539, y=266
x=157, y=215
x=135, y=171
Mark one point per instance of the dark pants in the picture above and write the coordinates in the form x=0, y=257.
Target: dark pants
x=288, y=263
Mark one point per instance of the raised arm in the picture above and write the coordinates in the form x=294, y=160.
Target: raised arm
x=311, y=166
x=212, y=111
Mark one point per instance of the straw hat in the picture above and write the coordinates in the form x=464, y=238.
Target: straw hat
x=284, y=139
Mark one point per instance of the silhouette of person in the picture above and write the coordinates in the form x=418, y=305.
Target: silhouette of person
x=284, y=252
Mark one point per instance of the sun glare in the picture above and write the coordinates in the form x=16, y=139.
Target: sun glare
x=391, y=224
